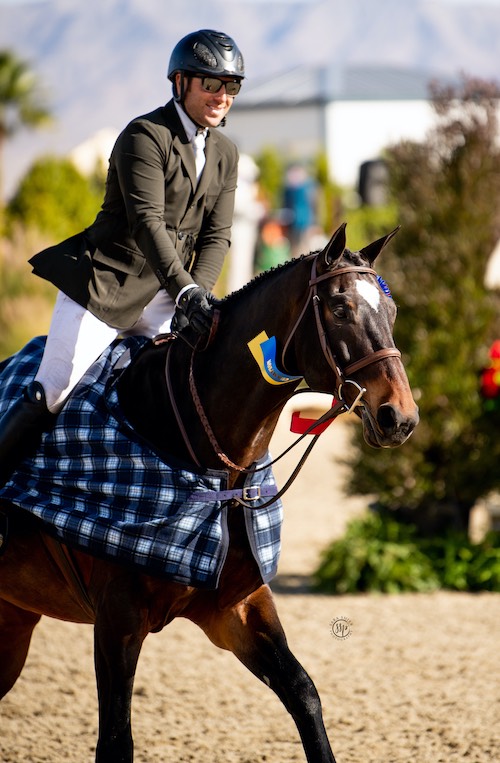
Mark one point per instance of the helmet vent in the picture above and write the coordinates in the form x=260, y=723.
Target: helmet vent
x=205, y=55
x=222, y=40
x=240, y=65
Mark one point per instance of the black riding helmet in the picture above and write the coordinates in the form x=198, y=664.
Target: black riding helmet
x=206, y=52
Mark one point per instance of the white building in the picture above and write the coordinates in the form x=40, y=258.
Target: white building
x=353, y=114
x=94, y=153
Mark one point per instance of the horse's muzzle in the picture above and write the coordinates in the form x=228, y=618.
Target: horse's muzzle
x=390, y=428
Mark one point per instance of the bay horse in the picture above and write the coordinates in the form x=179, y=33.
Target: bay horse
x=333, y=324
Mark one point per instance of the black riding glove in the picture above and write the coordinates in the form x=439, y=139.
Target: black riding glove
x=196, y=305
x=179, y=322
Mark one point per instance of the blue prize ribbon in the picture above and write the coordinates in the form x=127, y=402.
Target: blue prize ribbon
x=263, y=349
x=384, y=286
x=268, y=348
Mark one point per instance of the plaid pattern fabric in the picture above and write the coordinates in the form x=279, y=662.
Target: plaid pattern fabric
x=99, y=488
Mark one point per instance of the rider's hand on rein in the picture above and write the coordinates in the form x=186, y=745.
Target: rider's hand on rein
x=197, y=306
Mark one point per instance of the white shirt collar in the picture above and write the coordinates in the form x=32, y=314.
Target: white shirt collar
x=189, y=126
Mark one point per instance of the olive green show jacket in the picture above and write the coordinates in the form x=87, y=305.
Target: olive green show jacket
x=157, y=227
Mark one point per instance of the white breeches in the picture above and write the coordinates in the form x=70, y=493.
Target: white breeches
x=77, y=338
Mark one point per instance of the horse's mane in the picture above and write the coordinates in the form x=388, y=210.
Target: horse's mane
x=351, y=257
x=264, y=276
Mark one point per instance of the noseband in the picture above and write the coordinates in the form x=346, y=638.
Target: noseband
x=340, y=374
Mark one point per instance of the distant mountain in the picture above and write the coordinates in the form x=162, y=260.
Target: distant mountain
x=104, y=61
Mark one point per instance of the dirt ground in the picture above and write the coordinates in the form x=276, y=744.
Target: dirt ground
x=402, y=678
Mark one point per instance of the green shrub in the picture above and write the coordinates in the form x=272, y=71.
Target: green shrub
x=465, y=566
x=26, y=302
x=55, y=199
x=377, y=553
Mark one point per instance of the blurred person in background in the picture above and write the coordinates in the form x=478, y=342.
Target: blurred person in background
x=248, y=213
x=300, y=204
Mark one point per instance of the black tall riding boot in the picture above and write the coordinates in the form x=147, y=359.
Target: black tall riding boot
x=21, y=428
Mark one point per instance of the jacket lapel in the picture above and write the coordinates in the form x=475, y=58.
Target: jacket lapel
x=180, y=142
x=186, y=154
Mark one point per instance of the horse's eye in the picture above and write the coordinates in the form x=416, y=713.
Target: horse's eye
x=339, y=312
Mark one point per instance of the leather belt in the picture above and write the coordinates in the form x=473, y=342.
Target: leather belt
x=250, y=493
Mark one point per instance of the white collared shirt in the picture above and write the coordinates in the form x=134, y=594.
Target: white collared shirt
x=192, y=132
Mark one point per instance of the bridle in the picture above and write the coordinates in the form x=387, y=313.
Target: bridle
x=341, y=377
x=367, y=360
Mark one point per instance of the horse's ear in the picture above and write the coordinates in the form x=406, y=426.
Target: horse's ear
x=334, y=249
x=372, y=251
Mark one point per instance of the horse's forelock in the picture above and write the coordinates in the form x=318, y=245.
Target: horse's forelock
x=351, y=258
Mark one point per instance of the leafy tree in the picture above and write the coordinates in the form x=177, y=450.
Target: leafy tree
x=53, y=201
x=21, y=100
x=447, y=189
x=329, y=207
x=55, y=198
x=366, y=223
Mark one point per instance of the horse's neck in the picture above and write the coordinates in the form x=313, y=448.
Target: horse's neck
x=238, y=415
x=240, y=406
x=240, y=400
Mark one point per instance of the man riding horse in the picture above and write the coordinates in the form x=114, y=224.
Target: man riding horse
x=157, y=245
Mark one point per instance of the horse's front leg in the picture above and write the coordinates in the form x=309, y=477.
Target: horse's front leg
x=253, y=632
x=16, y=627
x=118, y=637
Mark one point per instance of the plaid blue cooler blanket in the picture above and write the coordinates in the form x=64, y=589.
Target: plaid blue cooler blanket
x=98, y=488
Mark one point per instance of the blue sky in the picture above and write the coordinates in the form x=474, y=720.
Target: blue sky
x=456, y=2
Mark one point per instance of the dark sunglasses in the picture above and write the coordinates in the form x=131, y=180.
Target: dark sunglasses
x=213, y=85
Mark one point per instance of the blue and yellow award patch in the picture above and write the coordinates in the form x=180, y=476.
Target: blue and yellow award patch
x=263, y=349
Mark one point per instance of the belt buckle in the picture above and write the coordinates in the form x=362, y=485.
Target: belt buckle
x=251, y=493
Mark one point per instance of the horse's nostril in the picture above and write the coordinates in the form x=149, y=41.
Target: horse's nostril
x=387, y=418
x=391, y=421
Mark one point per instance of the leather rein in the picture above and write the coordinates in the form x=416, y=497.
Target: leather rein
x=340, y=405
